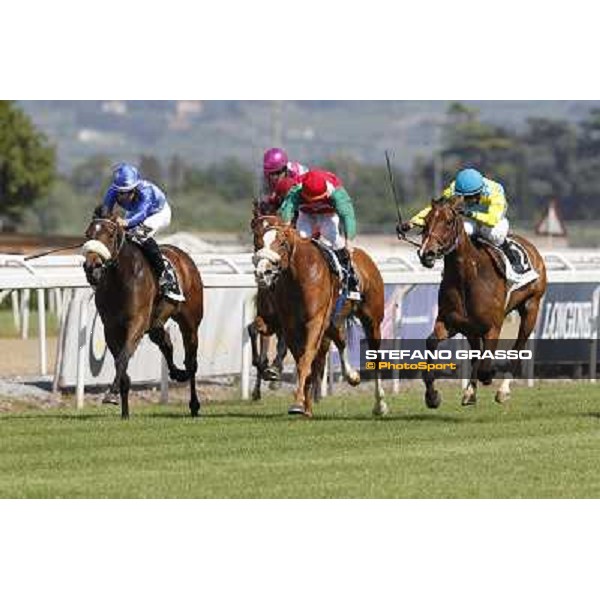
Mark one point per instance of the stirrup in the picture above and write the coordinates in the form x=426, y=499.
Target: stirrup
x=354, y=296
x=168, y=288
x=172, y=294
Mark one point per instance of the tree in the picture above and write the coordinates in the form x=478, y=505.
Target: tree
x=27, y=163
x=93, y=175
x=150, y=168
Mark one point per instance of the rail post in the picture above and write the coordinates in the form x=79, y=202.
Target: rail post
x=81, y=348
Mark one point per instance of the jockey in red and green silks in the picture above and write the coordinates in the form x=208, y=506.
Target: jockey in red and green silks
x=279, y=173
x=321, y=202
x=485, y=207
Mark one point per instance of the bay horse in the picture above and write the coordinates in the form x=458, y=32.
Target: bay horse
x=474, y=296
x=128, y=302
x=304, y=292
x=264, y=326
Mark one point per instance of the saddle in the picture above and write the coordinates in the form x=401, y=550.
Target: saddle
x=333, y=262
x=174, y=291
x=515, y=280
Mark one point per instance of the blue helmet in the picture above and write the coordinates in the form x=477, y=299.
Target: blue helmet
x=125, y=178
x=468, y=182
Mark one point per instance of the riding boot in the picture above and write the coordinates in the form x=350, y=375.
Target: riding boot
x=351, y=281
x=165, y=275
x=513, y=257
x=152, y=253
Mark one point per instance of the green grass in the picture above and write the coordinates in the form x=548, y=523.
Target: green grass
x=545, y=444
x=7, y=325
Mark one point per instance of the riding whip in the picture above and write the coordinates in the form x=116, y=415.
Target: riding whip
x=393, y=186
x=397, y=201
x=40, y=254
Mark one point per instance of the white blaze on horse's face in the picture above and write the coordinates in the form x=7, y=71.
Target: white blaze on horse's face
x=97, y=247
x=266, y=261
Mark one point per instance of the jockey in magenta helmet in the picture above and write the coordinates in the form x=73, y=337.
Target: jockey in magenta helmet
x=274, y=160
x=277, y=166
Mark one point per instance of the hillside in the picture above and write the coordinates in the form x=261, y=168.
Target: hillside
x=206, y=131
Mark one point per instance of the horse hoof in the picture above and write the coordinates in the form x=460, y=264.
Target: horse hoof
x=110, y=398
x=433, y=400
x=308, y=414
x=296, y=409
x=353, y=378
x=255, y=396
x=381, y=409
x=469, y=399
x=271, y=374
x=502, y=397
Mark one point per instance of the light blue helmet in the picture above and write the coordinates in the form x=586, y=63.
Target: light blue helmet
x=468, y=182
x=125, y=177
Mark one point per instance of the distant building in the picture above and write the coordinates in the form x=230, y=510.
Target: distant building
x=185, y=110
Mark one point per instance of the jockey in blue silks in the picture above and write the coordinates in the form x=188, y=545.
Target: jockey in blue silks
x=146, y=213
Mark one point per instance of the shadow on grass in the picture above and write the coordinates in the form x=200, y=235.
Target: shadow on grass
x=58, y=417
x=284, y=417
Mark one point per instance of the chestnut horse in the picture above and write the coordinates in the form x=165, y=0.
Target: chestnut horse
x=304, y=292
x=128, y=302
x=474, y=296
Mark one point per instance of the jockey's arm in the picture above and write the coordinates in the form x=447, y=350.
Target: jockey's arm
x=344, y=208
x=139, y=217
x=490, y=213
x=110, y=199
x=290, y=205
x=419, y=219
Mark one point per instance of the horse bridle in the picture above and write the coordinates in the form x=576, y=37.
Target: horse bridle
x=268, y=254
x=118, y=244
x=452, y=247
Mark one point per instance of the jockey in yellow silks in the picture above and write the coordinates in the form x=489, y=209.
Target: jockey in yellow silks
x=485, y=208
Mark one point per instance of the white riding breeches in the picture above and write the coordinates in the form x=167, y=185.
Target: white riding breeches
x=496, y=235
x=327, y=224
x=158, y=221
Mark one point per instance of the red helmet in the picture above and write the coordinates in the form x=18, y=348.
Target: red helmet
x=284, y=185
x=274, y=160
x=314, y=186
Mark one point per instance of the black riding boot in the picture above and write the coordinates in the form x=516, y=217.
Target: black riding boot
x=513, y=257
x=351, y=281
x=166, y=278
x=152, y=253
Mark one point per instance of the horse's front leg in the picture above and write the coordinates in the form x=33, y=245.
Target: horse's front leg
x=469, y=397
x=256, y=361
x=304, y=363
x=121, y=382
x=433, y=398
x=485, y=372
x=277, y=366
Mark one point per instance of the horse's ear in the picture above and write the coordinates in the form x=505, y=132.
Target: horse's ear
x=457, y=203
x=101, y=212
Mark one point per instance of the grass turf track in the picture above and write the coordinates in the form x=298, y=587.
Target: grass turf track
x=545, y=444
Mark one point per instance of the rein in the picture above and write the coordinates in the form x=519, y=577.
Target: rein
x=113, y=260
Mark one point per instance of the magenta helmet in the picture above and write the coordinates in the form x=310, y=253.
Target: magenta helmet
x=275, y=159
